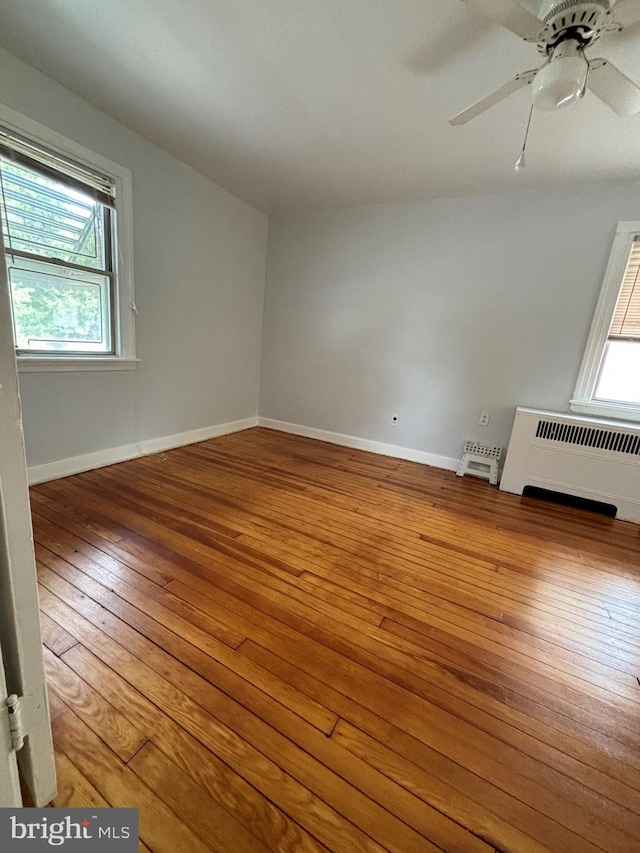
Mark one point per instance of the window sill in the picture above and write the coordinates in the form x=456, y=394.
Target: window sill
x=62, y=364
x=605, y=410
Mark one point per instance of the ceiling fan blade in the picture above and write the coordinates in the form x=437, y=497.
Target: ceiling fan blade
x=613, y=88
x=626, y=12
x=512, y=16
x=500, y=94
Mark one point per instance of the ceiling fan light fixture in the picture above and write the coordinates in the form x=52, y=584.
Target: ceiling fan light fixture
x=560, y=81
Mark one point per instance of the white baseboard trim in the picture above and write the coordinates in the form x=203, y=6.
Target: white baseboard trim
x=167, y=442
x=395, y=450
x=76, y=464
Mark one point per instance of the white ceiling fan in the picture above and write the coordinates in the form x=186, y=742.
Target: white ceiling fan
x=563, y=31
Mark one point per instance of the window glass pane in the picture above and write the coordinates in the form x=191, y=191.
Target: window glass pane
x=60, y=309
x=47, y=218
x=619, y=379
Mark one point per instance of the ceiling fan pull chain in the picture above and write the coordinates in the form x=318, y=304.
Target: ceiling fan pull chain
x=586, y=75
x=521, y=162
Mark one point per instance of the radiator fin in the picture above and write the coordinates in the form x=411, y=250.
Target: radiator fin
x=602, y=439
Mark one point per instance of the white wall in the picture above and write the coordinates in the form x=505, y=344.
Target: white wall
x=199, y=257
x=435, y=311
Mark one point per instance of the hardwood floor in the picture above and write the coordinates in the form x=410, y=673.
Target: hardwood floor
x=265, y=642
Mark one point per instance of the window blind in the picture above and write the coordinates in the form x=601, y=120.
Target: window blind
x=626, y=317
x=30, y=154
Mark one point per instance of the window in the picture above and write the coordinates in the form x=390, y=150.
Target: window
x=609, y=380
x=67, y=253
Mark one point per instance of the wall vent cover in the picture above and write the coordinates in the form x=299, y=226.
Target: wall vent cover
x=602, y=439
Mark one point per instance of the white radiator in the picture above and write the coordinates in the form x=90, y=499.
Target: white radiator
x=587, y=457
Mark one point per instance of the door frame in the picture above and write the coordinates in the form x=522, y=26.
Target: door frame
x=20, y=637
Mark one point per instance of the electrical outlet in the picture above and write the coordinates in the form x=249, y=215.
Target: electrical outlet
x=394, y=420
x=485, y=417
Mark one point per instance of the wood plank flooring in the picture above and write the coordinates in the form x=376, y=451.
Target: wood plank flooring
x=265, y=642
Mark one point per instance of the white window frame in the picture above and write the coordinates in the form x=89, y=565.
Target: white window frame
x=124, y=310
x=583, y=398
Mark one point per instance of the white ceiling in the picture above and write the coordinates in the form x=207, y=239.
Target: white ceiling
x=294, y=104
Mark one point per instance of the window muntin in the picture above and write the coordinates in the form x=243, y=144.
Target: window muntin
x=58, y=234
